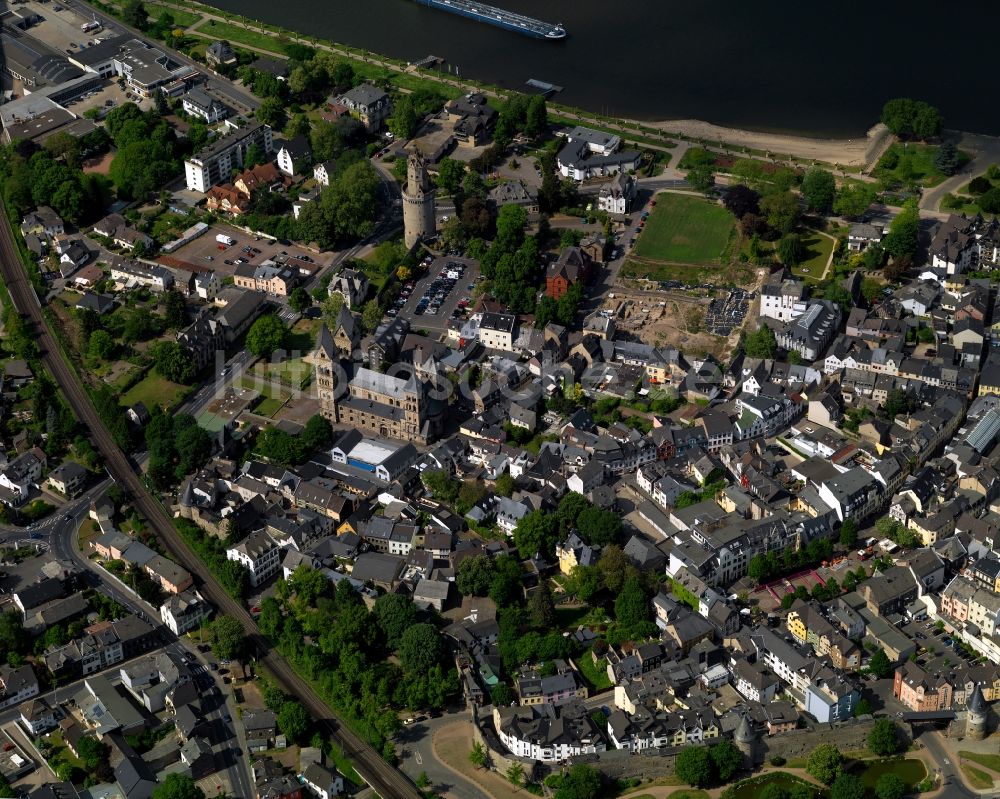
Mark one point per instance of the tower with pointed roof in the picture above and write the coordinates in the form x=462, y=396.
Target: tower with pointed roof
x=975, y=719
x=745, y=739
x=325, y=360
x=419, y=221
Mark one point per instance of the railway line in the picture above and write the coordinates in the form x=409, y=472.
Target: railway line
x=385, y=780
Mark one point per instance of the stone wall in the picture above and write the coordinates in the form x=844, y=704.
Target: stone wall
x=620, y=764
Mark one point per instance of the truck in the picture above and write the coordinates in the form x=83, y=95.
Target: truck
x=222, y=238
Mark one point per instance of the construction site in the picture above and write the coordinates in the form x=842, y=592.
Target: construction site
x=696, y=319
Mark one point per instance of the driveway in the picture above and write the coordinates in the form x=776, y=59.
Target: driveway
x=985, y=150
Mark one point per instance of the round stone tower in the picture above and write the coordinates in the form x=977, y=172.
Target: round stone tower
x=418, y=202
x=975, y=719
x=745, y=739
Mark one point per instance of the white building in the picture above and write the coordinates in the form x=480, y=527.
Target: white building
x=198, y=103
x=617, y=195
x=215, y=162
x=259, y=554
x=784, y=300
x=184, y=612
x=496, y=331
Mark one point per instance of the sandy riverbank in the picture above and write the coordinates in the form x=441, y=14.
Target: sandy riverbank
x=847, y=152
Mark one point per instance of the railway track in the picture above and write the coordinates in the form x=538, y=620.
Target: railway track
x=385, y=780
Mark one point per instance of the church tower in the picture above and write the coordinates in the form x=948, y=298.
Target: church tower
x=419, y=219
x=975, y=720
x=325, y=360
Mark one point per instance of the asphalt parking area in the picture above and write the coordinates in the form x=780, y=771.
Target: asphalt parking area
x=433, y=299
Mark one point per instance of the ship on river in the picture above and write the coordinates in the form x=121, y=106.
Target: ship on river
x=500, y=17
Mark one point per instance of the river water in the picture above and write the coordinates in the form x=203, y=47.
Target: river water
x=774, y=65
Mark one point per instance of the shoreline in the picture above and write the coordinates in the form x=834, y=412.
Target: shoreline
x=852, y=154
x=855, y=152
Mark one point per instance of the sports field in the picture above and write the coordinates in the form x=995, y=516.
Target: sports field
x=687, y=230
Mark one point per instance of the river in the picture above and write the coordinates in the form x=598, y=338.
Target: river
x=820, y=69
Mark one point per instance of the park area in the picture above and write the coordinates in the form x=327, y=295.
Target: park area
x=686, y=230
x=154, y=390
x=769, y=595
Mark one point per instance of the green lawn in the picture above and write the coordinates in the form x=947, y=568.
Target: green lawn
x=818, y=249
x=684, y=793
x=154, y=390
x=990, y=761
x=686, y=230
x=912, y=163
x=268, y=406
x=979, y=779
x=596, y=676
x=183, y=19
x=570, y=618
x=238, y=34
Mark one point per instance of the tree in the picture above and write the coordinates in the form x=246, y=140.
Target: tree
x=825, y=763
x=990, y=201
x=901, y=241
x=694, y=766
x=536, y=117
x=761, y=343
x=890, y=786
x=475, y=575
x=477, y=755
x=228, y=638
x=847, y=786
x=450, y=174
x=178, y=786
x=542, y=609
x=632, y=604
x=134, y=13
x=701, y=178
x=863, y=707
x=758, y=569
x=849, y=533
x=271, y=112
x=371, y=315
x=535, y=533
x=299, y=300
x=615, y=568
x=580, y=782
x=741, y=200
x=980, y=185
x=726, y=759
x=879, y=664
x=910, y=118
x=854, y=199
x=101, y=345
x=515, y=774
x=883, y=739
x=394, y=614
x=505, y=485
x=946, y=158
x=584, y=582
x=791, y=250
x=171, y=361
x=501, y=695
x=293, y=721
x=781, y=210
x=599, y=527
x=266, y=335
x=420, y=647
x=176, y=309
x=92, y=752
x=818, y=188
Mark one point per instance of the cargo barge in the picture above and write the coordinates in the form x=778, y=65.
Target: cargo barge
x=499, y=17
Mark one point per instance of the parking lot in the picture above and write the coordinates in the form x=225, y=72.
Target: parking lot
x=443, y=294
x=207, y=251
